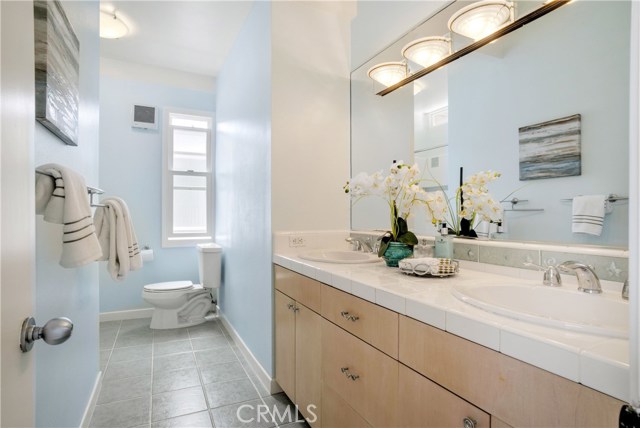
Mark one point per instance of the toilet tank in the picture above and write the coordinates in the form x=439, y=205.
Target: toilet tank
x=209, y=264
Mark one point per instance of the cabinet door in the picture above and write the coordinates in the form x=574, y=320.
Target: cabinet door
x=308, y=363
x=336, y=413
x=426, y=404
x=364, y=377
x=285, y=332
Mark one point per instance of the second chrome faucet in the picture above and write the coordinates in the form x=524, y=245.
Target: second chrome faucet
x=588, y=281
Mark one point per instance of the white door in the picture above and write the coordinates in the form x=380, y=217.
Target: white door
x=17, y=210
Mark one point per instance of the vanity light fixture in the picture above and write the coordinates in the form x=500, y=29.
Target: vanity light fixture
x=388, y=73
x=480, y=19
x=112, y=27
x=503, y=31
x=427, y=50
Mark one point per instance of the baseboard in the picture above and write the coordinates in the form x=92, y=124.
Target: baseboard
x=91, y=405
x=131, y=314
x=267, y=382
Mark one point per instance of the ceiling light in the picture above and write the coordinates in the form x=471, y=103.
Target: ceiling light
x=112, y=27
x=480, y=19
x=388, y=73
x=427, y=50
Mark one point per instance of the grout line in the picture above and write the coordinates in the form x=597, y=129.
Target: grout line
x=204, y=391
x=153, y=343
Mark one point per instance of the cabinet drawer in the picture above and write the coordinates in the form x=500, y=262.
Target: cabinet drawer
x=429, y=405
x=374, y=324
x=298, y=287
x=336, y=413
x=361, y=375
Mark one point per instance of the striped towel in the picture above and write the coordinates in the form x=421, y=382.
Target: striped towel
x=63, y=199
x=117, y=238
x=588, y=214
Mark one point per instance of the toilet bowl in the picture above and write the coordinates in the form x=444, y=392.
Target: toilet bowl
x=181, y=303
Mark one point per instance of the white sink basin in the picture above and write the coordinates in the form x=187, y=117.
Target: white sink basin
x=555, y=307
x=339, y=256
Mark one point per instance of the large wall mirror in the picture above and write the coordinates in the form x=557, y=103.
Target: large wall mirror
x=473, y=113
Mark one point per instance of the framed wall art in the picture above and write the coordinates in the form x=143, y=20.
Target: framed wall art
x=57, y=52
x=551, y=149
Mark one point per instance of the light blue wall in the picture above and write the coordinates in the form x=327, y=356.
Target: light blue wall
x=131, y=168
x=243, y=184
x=65, y=374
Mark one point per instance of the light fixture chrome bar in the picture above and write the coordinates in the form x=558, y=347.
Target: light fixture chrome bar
x=530, y=17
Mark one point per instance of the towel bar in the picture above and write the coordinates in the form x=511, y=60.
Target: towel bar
x=610, y=198
x=91, y=190
x=516, y=201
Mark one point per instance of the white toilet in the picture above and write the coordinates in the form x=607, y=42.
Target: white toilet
x=182, y=303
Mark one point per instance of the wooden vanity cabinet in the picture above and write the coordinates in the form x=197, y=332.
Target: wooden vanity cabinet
x=388, y=370
x=298, y=342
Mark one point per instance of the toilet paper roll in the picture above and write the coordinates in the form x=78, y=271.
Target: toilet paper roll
x=147, y=255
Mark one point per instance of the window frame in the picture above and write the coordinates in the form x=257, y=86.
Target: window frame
x=169, y=237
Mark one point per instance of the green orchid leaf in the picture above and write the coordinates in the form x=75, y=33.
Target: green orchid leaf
x=408, y=238
x=384, y=243
x=402, y=226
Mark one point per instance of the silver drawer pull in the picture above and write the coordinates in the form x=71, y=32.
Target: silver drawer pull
x=352, y=318
x=469, y=423
x=290, y=306
x=351, y=376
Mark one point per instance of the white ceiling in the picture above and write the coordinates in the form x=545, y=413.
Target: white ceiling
x=190, y=36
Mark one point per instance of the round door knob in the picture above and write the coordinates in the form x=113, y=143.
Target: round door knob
x=54, y=332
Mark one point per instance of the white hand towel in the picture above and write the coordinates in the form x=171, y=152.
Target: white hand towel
x=588, y=214
x=117, y=238
x=44, y=189
x=135, y=258
x=69, y=205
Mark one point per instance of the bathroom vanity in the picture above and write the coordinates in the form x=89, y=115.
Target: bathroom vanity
x=364, y=364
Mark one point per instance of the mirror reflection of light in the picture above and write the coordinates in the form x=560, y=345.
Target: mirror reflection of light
x=388, y=73
x=427, y=50
x=480, y=19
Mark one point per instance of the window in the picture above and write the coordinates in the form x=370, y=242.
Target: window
x=187, y=177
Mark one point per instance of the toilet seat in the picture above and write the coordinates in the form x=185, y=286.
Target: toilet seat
x=170, y=286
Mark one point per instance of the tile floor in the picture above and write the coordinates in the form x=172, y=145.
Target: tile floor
x=190, y=377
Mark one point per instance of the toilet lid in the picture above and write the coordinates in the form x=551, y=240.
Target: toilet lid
x=169, y=286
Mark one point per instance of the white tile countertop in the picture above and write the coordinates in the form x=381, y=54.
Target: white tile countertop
x=601, y=363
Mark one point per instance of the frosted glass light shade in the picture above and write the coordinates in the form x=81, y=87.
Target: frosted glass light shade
x=112, y=27
x=388, y=73
x=427, y=50
x=480, y=19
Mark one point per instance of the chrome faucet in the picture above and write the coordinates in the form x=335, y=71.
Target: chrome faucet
x=359, y=244
x=587, y=279
x=625, y=290
x=551, y=275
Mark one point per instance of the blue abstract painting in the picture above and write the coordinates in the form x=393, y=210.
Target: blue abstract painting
x=551, y=149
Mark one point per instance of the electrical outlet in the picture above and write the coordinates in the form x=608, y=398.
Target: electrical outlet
x=297, y=241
